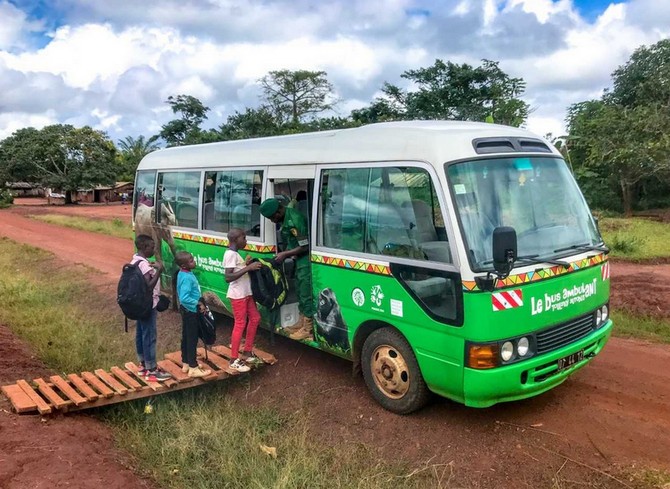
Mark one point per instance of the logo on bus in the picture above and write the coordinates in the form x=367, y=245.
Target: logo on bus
x=358, y=297
x=377, y=295
x=562, y=299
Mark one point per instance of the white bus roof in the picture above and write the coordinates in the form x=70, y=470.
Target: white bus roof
x=432, y=141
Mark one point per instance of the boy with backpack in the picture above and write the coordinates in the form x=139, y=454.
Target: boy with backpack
x=145, y=333
x=188, y=291
x=242, y=301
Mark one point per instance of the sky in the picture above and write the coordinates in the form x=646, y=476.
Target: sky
x=112, y=64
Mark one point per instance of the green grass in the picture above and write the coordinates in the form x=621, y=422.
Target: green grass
x=636, y=238
x=628, y=325
x=115, y=227
x=203, y=437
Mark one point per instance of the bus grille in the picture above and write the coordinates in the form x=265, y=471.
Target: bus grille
x=564, y=334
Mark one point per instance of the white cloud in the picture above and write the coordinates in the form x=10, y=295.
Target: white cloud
x=113, y=64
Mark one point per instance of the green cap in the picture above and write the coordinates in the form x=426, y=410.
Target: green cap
x=269, y=207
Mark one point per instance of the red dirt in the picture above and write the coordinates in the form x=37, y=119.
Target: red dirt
x=607, y=418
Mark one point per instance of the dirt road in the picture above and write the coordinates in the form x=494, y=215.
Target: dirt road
x=610, y=416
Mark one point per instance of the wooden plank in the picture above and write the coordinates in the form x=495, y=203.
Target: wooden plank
x=42, y=406
x=52, y=395
x=263, y=355
x=98, y=384
x=126, y=379
x=174, y=357
x=112, y=382
x=134, y=369
x=21, y=402
x=83, y=387
x=173, y=369
x=66, y=389
x=219, y=361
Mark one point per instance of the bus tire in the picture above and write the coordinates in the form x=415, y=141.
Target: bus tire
x=392, y=373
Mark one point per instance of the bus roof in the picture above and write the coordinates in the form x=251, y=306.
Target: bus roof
x=435, y=142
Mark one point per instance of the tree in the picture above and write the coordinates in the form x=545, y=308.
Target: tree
x=623, y=138
x=451, y=91
x=60, y=156
x=295, y=95
x=253, y=123
x=186, y=129
x=132, y=150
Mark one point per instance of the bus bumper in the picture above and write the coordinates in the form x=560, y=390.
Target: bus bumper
x=484, y=388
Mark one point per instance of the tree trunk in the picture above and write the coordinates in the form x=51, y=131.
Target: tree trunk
x=627, y=197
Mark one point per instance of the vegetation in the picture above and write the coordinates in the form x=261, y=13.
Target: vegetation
x=649, y=328
x=635, y=238
x=132, y=150
x=6, y=198
x=59, y=156
x=115, y=227
x=619, y=145
x=196, y=438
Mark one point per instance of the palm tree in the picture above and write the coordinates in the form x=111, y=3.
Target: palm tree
x=133, y=150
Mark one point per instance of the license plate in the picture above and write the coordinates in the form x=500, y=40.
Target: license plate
x=570, y=360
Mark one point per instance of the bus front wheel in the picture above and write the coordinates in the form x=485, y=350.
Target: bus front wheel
x=392, y=373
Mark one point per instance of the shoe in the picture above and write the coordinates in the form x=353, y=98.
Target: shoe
x=302, y=334
x=197, y=372
x=239, y=365
x=157, y=375
x=252, y=359
x=184, y=367
x=142, y=371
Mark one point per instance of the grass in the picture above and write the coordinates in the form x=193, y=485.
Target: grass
x=195, y=438
x=636, y=238
x=628, y=325
x=115, y=227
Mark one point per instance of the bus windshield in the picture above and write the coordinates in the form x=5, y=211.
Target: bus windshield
x=538, y=197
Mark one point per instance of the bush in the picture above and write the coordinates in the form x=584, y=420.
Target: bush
x=626, y=245
x=6, y=198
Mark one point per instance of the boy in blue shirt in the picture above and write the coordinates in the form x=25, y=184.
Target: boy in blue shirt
x=188, y=291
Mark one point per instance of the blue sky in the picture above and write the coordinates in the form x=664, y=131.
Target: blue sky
x=112, y=65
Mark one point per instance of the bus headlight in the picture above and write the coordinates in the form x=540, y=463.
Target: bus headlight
x=599, y=318
x=605, y=312
x=523, y=346
x=507, y=351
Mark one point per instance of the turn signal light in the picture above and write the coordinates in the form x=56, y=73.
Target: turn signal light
x=483, y=356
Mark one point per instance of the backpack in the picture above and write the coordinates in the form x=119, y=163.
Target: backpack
x=268, y=285
x=133, y=295
x=206, y=326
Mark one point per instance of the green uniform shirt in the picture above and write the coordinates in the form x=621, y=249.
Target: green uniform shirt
x=295, y=234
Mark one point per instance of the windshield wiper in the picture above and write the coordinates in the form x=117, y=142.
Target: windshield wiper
x=585, y=247
x=537, y=259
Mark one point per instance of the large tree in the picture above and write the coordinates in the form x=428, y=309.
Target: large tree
x=186, y=129
x=452, y=91
x=294, y=96
x=60, y=156
x=252, y=123
x=623, y=139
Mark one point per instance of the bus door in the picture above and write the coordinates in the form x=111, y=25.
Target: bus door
x=293, y=186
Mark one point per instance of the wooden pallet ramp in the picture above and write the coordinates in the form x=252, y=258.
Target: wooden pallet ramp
x=88, y=390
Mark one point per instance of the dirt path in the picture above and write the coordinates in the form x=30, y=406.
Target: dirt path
x=608, y=417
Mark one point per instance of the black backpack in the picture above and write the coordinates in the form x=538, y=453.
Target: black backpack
x=133, y=294
x=268, y=285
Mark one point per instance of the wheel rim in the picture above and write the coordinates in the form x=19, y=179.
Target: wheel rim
x=390, y=371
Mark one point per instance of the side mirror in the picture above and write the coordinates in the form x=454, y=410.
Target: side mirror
x=504, y=250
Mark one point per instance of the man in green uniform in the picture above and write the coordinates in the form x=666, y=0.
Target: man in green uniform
x=295, y=236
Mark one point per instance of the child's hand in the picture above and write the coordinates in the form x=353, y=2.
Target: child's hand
x=201, y=307
x=158, y=266
x=253, y=267
x=248, y=259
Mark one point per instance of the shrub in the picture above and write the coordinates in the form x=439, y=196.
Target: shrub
x=6, y=198
x=626, y=245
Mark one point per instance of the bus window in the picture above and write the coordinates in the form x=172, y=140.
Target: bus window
x=231, y=199
x=144, y=189
x=390, y=211
x=178, y=194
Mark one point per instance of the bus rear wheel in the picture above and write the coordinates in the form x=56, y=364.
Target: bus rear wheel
x=392, y=373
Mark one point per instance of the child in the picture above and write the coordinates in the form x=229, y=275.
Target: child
x=243, y=304
x=145, y=332
x=188, y=291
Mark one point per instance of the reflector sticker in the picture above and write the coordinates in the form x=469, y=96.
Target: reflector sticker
x=507, y=300
x=605, y=271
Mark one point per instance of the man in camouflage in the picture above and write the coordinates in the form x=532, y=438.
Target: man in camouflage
x=295, y=236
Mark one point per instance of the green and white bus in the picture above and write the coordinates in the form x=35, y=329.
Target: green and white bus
x=449, y=257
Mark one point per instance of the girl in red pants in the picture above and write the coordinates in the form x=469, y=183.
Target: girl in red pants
x=239, y=293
